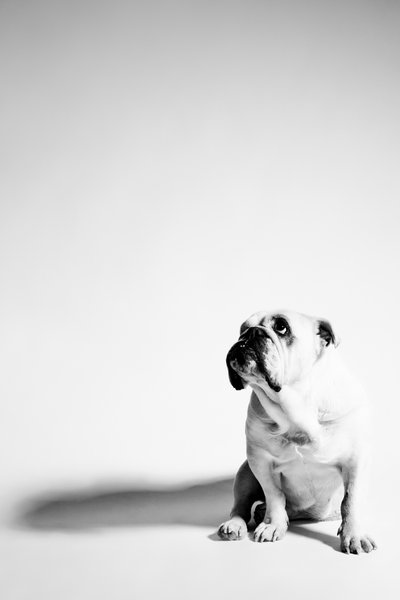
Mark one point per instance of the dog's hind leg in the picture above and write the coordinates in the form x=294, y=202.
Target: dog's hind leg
x=246, y=491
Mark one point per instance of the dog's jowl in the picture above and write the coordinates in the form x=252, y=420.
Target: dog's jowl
x=306, y=431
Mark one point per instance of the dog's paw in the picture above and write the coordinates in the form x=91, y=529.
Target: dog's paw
x=270, y=532
x=234, y=529
x=355, y=543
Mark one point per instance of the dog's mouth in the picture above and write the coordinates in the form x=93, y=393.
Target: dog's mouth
x=255, y=357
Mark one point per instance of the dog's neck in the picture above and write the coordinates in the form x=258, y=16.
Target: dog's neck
x=290, y=410
x=305, y=404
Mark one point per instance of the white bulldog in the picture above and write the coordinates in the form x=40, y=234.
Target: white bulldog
x=305, y=430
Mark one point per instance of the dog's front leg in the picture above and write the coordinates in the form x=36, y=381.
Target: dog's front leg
x=353, y=538
x=275, y=523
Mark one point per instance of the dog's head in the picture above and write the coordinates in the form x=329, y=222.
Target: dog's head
x=278, y=348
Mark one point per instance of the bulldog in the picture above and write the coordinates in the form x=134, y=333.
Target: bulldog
x=305, y=431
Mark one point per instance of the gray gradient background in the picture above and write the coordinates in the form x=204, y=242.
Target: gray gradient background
x=167, y=169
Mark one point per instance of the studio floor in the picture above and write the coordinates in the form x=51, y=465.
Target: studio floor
x=130, y=543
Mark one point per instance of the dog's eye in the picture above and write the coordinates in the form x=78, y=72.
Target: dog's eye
x=280, y=326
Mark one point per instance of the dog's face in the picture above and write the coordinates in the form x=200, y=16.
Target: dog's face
x=277, y=348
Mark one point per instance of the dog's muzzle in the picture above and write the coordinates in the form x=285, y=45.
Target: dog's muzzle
x=255, y=354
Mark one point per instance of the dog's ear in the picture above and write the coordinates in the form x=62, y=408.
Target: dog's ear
x=326, y=333
x=234, y=378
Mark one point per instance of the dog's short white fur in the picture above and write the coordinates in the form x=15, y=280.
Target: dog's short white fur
x=306, y=430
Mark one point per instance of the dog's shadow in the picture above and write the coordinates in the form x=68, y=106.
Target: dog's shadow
x=205, y=504
x=300, y=528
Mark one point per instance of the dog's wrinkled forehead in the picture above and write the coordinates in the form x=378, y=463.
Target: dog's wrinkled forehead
x=291, y=325
x=278, y=320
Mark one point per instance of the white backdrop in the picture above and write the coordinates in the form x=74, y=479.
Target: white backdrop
x=168, y=169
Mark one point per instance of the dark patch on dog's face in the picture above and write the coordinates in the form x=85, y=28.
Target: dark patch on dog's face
x=280, y=324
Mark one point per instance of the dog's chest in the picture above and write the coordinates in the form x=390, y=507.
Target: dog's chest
x=295, y=448
x=301, y=461
x=308, y=478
